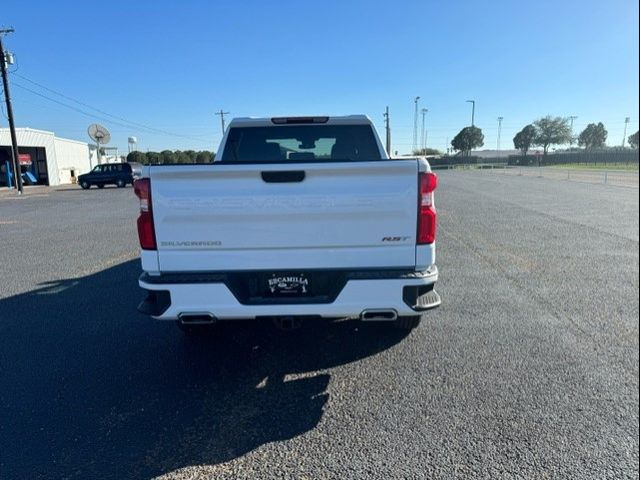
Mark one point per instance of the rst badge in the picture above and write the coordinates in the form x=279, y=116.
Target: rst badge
x=395, y=239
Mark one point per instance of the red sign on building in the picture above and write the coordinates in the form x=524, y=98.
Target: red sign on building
x=24, y=159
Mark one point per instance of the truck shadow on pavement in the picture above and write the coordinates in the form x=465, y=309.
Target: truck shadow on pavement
x=89, y=388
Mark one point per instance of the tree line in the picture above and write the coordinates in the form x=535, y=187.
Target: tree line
x=169, y=156
x=544, y=132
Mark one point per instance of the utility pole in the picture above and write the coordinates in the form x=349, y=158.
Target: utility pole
x=387, y=128
x=571, y=119
x=222, y=114
x=415, y=124
x=473, y=112
x=499, y=132
x=7, y=98
x=624, y=136
x=423, y=137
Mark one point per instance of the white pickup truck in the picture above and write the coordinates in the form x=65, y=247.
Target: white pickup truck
x=297, y=217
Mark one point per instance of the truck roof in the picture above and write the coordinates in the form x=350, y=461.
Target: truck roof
x=298, y=120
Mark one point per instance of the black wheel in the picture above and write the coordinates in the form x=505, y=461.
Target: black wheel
x=121, y=183
x=85, y=185
x=101, y=185
x=408, y=322
x=195, y=330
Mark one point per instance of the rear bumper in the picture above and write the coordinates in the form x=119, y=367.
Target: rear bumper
x=407, y=293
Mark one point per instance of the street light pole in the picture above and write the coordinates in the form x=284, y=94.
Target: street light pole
x=423, y=136
x=387, y=128
x=571, y=119
x=415, y=124
x=499, y=132
x=624, y=136
x=473, y=111
x=12, y=128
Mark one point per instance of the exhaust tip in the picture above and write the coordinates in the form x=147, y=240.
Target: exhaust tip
x=196, y=318
x=379, y=315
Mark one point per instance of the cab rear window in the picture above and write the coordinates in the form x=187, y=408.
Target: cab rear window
x=301, y=143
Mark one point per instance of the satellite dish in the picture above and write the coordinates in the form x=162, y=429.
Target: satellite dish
x=99, y=134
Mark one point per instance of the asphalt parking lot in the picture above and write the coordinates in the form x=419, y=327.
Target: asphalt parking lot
x=528, y=370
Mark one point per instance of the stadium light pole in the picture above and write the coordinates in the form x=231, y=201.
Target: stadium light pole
x=423, y=137
x=473, y=111
x=415, y=124
x=624, y=136
x=387, y=128
x=571, y=119
x=499, y=133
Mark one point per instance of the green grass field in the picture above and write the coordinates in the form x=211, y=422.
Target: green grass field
x=631, y=167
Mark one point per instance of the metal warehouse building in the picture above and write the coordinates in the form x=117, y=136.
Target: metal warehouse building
x=44, y=158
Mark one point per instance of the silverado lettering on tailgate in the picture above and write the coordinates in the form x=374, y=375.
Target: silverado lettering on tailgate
x=191, y=244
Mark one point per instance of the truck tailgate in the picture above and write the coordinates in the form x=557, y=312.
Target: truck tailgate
x=264, y=217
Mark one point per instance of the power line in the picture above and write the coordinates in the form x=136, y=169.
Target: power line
x=129, y=124
x=71, y=107
x=89, y=106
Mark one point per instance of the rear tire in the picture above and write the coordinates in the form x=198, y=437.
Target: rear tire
x=194, y=331
x=408, y=322
x=121, y=183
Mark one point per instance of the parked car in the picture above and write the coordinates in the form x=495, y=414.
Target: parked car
x=119, y=174
x=296, y=218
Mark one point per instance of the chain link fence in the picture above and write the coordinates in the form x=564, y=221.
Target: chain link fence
x=619, y=178
x=618, y=168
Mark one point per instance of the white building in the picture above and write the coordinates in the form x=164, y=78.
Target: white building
x=47, y=159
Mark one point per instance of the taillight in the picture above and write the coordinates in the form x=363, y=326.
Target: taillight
x=426, y=209
x=146, y=233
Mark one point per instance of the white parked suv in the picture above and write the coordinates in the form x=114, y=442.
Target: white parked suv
x=296, y=217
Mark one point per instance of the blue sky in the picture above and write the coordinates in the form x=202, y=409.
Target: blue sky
x=171, y=65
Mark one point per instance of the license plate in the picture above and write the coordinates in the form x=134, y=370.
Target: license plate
x=288, y=284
